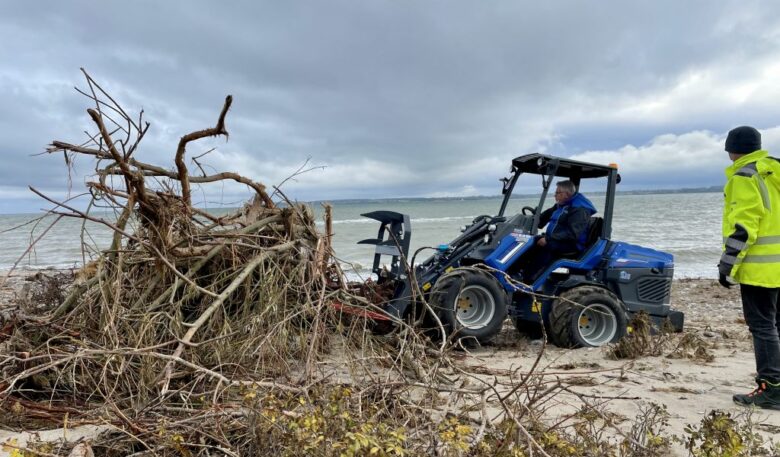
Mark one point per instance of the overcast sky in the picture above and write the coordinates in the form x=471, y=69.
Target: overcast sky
x=393, y=98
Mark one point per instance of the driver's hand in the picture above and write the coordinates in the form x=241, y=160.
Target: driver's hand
x=542, y=241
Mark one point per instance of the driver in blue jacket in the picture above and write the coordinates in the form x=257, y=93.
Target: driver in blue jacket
x=567, y=229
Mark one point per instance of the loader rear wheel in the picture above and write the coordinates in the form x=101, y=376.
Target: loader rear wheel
x=470, y=303
x=587, y=316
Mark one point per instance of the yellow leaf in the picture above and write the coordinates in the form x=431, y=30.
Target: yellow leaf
x=10, y=445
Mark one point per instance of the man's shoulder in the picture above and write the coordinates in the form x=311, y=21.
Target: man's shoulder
x=759, y=166
x=766, y=164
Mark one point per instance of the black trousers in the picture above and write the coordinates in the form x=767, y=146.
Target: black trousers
x=760, y=306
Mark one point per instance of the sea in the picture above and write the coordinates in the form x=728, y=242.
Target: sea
x=686, y=225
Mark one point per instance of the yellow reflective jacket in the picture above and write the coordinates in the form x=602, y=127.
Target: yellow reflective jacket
x=751, y=220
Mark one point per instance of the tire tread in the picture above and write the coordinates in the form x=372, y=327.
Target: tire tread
x=457, y=278
x=561, y=313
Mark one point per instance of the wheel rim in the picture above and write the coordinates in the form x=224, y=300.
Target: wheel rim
x=597, y=324
x=475, y=307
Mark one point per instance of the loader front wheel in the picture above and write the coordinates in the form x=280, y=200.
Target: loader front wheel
x=470, y=303
x=587, y=316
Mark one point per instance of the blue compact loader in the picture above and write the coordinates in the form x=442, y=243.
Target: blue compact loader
x=475, y=282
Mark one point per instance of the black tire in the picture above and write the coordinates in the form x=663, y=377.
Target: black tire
x=470, y=303
x=587, y=316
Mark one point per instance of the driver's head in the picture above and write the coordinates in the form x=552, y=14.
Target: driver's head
x=564, y=190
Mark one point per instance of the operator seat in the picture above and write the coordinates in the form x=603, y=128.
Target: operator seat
x=595, y=227
x=571, y=260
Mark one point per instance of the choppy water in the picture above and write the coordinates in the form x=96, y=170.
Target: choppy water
x=685, y=225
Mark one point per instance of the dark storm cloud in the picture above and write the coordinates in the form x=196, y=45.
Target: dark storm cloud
x=396, y=98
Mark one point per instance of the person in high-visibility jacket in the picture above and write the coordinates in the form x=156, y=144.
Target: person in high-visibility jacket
x=751, y=254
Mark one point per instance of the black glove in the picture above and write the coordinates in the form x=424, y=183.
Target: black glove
x=724, y=281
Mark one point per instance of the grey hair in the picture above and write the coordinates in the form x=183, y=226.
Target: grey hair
x=567, y=186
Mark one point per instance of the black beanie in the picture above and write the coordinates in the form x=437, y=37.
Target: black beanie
x=743, y=140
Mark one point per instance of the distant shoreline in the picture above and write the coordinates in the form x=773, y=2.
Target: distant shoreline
x=349, y=201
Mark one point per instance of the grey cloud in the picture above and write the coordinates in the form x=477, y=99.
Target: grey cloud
x=419, y=89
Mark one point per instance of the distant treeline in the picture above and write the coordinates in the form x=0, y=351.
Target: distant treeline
x=689, y=190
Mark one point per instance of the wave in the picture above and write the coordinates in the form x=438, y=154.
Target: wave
x=366, y=220
x=4, y=267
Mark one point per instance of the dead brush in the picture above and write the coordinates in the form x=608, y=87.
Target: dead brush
x=692, y=346
x=44, y=289
x=647, y=433
x=722, y=433
x=645, y=340
x=642, y=340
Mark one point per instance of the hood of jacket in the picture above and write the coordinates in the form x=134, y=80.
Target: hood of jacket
x=580, y=201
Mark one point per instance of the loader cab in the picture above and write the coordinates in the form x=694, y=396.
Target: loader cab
x=513, y=240
x=548, y=168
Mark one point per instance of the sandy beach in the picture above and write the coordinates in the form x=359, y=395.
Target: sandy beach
x=689, y=387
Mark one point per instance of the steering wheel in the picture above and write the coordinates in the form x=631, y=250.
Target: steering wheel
x=528, y=211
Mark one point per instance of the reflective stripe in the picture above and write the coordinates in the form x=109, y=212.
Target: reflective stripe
x=748, y=170
x=763, y=240
x=728, y=259
x=764, y=193
x=755, y=258
x=736, y=244
x=512, y=252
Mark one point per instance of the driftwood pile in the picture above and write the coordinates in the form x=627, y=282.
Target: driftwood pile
x=185, y=309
